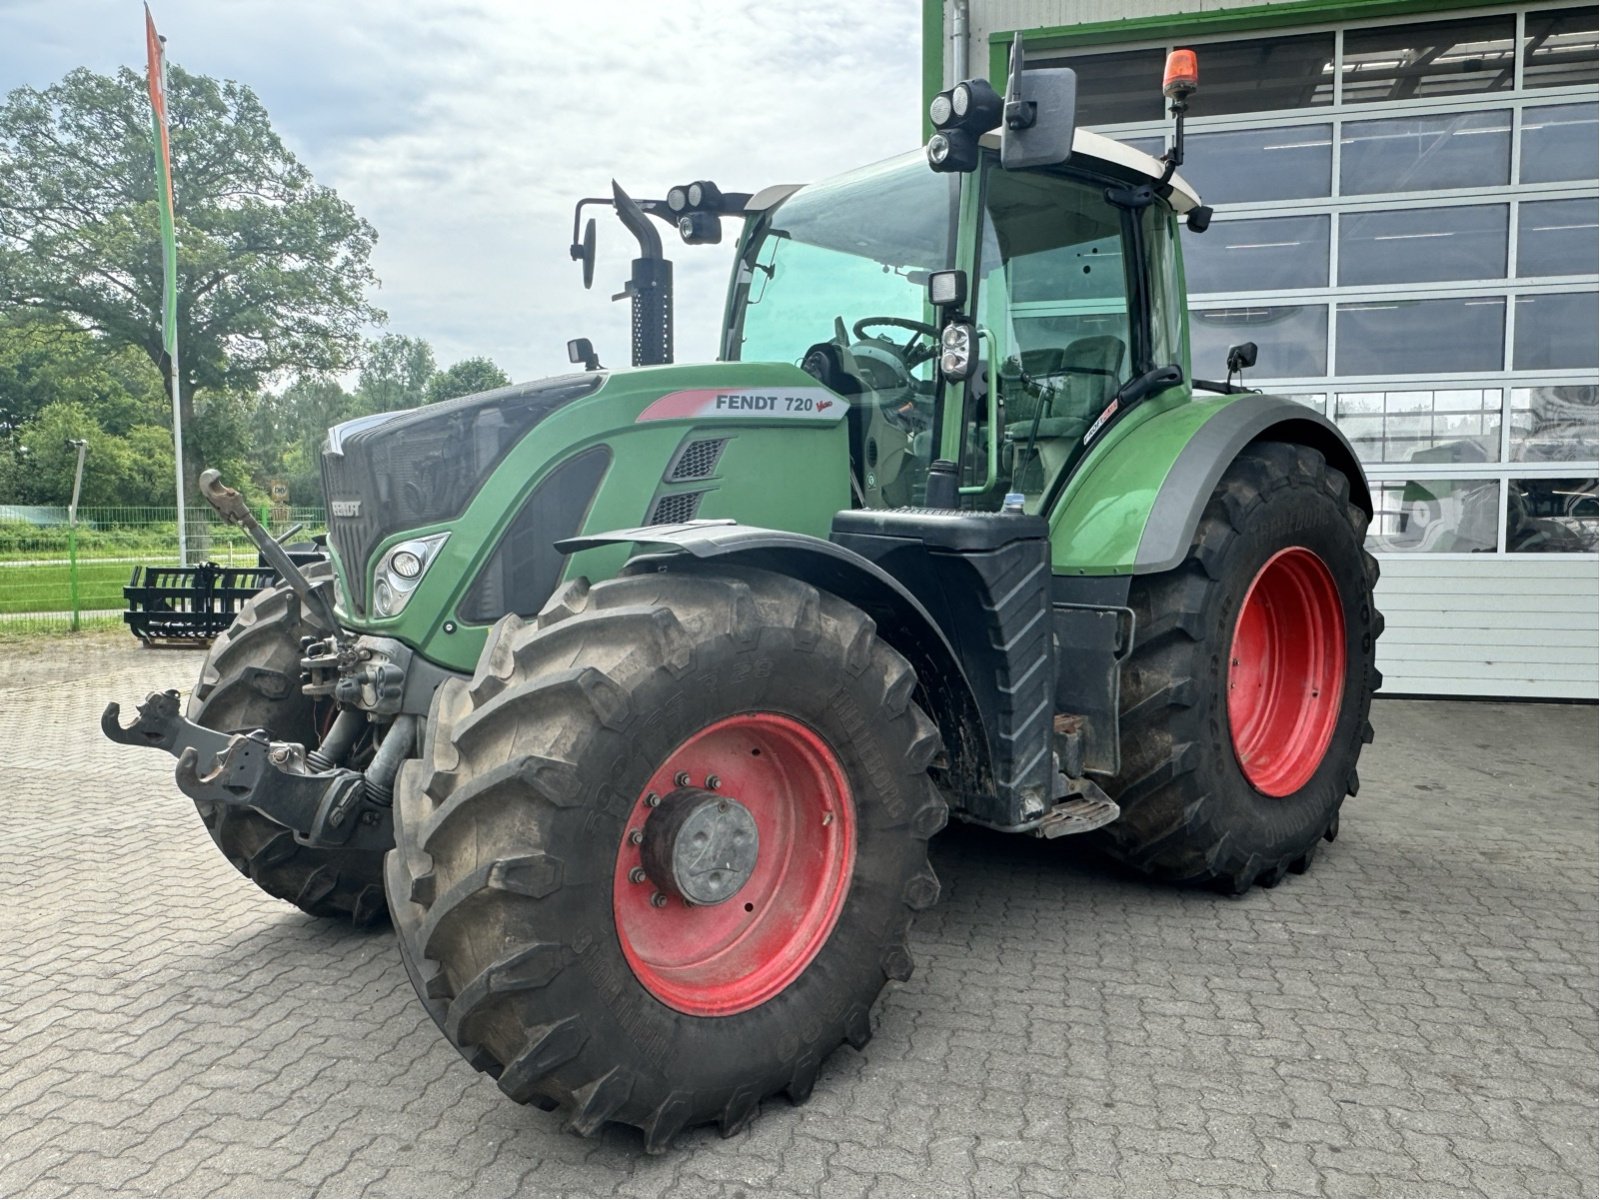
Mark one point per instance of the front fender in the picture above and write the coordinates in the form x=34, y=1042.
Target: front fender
x=901, y=619
x=1135, y=506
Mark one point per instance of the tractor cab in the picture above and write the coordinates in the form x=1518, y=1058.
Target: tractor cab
x=1074, y=297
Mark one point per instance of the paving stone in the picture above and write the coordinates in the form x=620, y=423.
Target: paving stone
x=1415, y=1017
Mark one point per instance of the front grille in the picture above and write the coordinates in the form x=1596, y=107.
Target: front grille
x=675, y=509
x=412, y=469
x=697, y=460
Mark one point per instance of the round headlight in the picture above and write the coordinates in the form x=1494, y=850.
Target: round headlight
x=938, y=148
x=939, y=109
x=961, y=99
x=383, y=598
x=406, y=564
x=697, y=195
x=677, y=199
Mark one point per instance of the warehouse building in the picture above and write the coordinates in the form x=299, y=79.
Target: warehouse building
x=1406, y=226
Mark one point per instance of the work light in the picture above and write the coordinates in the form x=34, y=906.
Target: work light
x=960, y=115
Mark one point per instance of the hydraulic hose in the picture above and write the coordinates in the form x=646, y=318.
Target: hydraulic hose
x=392, y=751
x=336, y=746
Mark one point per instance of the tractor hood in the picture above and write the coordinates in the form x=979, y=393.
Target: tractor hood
x=392, y=474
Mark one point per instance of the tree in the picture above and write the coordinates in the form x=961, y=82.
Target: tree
x=273, y=269
x=394, y=374
x=465, y=377
x=45, y=359
x=135, y=470
x=289, y=428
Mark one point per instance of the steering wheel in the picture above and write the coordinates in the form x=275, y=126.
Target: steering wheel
x=917, y=328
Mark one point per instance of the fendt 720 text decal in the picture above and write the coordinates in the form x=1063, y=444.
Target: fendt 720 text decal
x=807, y=404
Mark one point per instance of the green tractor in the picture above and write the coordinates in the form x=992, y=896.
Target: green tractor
x=634, y=696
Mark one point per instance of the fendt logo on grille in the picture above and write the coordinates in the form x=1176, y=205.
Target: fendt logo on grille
x=346, y=508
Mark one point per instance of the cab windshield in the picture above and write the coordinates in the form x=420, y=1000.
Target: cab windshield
x=842, y=252
x=835, y=280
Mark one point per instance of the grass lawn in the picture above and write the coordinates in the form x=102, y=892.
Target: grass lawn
x=48, y=587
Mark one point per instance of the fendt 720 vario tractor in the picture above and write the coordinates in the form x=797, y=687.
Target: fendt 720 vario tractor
x=639, y=693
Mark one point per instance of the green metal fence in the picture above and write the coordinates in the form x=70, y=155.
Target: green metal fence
x=57, y=576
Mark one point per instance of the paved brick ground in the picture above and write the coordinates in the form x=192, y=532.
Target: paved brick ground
x=1416, y=1017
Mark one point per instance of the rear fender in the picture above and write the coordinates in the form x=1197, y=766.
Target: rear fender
x=1136, y=504
x=901, y=619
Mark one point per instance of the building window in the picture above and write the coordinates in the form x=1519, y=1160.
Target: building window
x=1400, y=337
x=1559, y=49
x=1558, y=143
x=1425, y=153
x=1558, y=237
x=1437, y=516
x=1292, y=339
x=1555, y=332
x=1266, y=254
x=1258, y=74
x=1423, y=245
x=1440, y=425
x=1439, y=58
x=1555, y=424
x=1256, y=165
x=1115, y=88
x=1552, y=516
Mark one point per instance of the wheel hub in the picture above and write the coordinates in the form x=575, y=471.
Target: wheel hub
x=700, y=846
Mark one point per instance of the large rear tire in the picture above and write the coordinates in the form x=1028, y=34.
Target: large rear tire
x=1245, y=702
x=527, y=885
x=251, y=680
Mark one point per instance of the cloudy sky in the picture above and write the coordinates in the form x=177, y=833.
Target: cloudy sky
x=464, y=130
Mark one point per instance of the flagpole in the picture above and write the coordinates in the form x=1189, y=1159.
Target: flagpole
x=155, y=45
x=177, y=442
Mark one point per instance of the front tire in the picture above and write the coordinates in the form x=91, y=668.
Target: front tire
x=251, y=680
x=1245, y=702
x=532, y=916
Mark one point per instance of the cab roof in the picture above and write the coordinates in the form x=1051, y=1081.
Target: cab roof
x=1085, y=144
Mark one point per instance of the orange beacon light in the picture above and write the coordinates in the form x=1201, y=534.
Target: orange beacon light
x=1182, y=76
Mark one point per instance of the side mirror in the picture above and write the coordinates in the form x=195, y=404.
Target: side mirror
x=1241, y=356
x=1041, y=114
x=584, y=252
x=581, y=350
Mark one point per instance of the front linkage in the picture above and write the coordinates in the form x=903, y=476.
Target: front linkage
x=331, y=808
x=324, y=804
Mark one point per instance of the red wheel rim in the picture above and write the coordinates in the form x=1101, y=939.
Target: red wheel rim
x=717, y=959
x=1286, y=672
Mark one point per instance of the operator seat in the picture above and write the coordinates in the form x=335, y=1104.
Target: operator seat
x=1073, y=386
x=1079, y=381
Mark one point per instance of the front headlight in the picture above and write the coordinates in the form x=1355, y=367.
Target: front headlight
x=400, y=570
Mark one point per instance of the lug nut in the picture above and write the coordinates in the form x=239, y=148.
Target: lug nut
x=652, y=801
x=636, y=836
x=713, y=782
x=636, y=875
x=681, y=779
x=658, y=901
